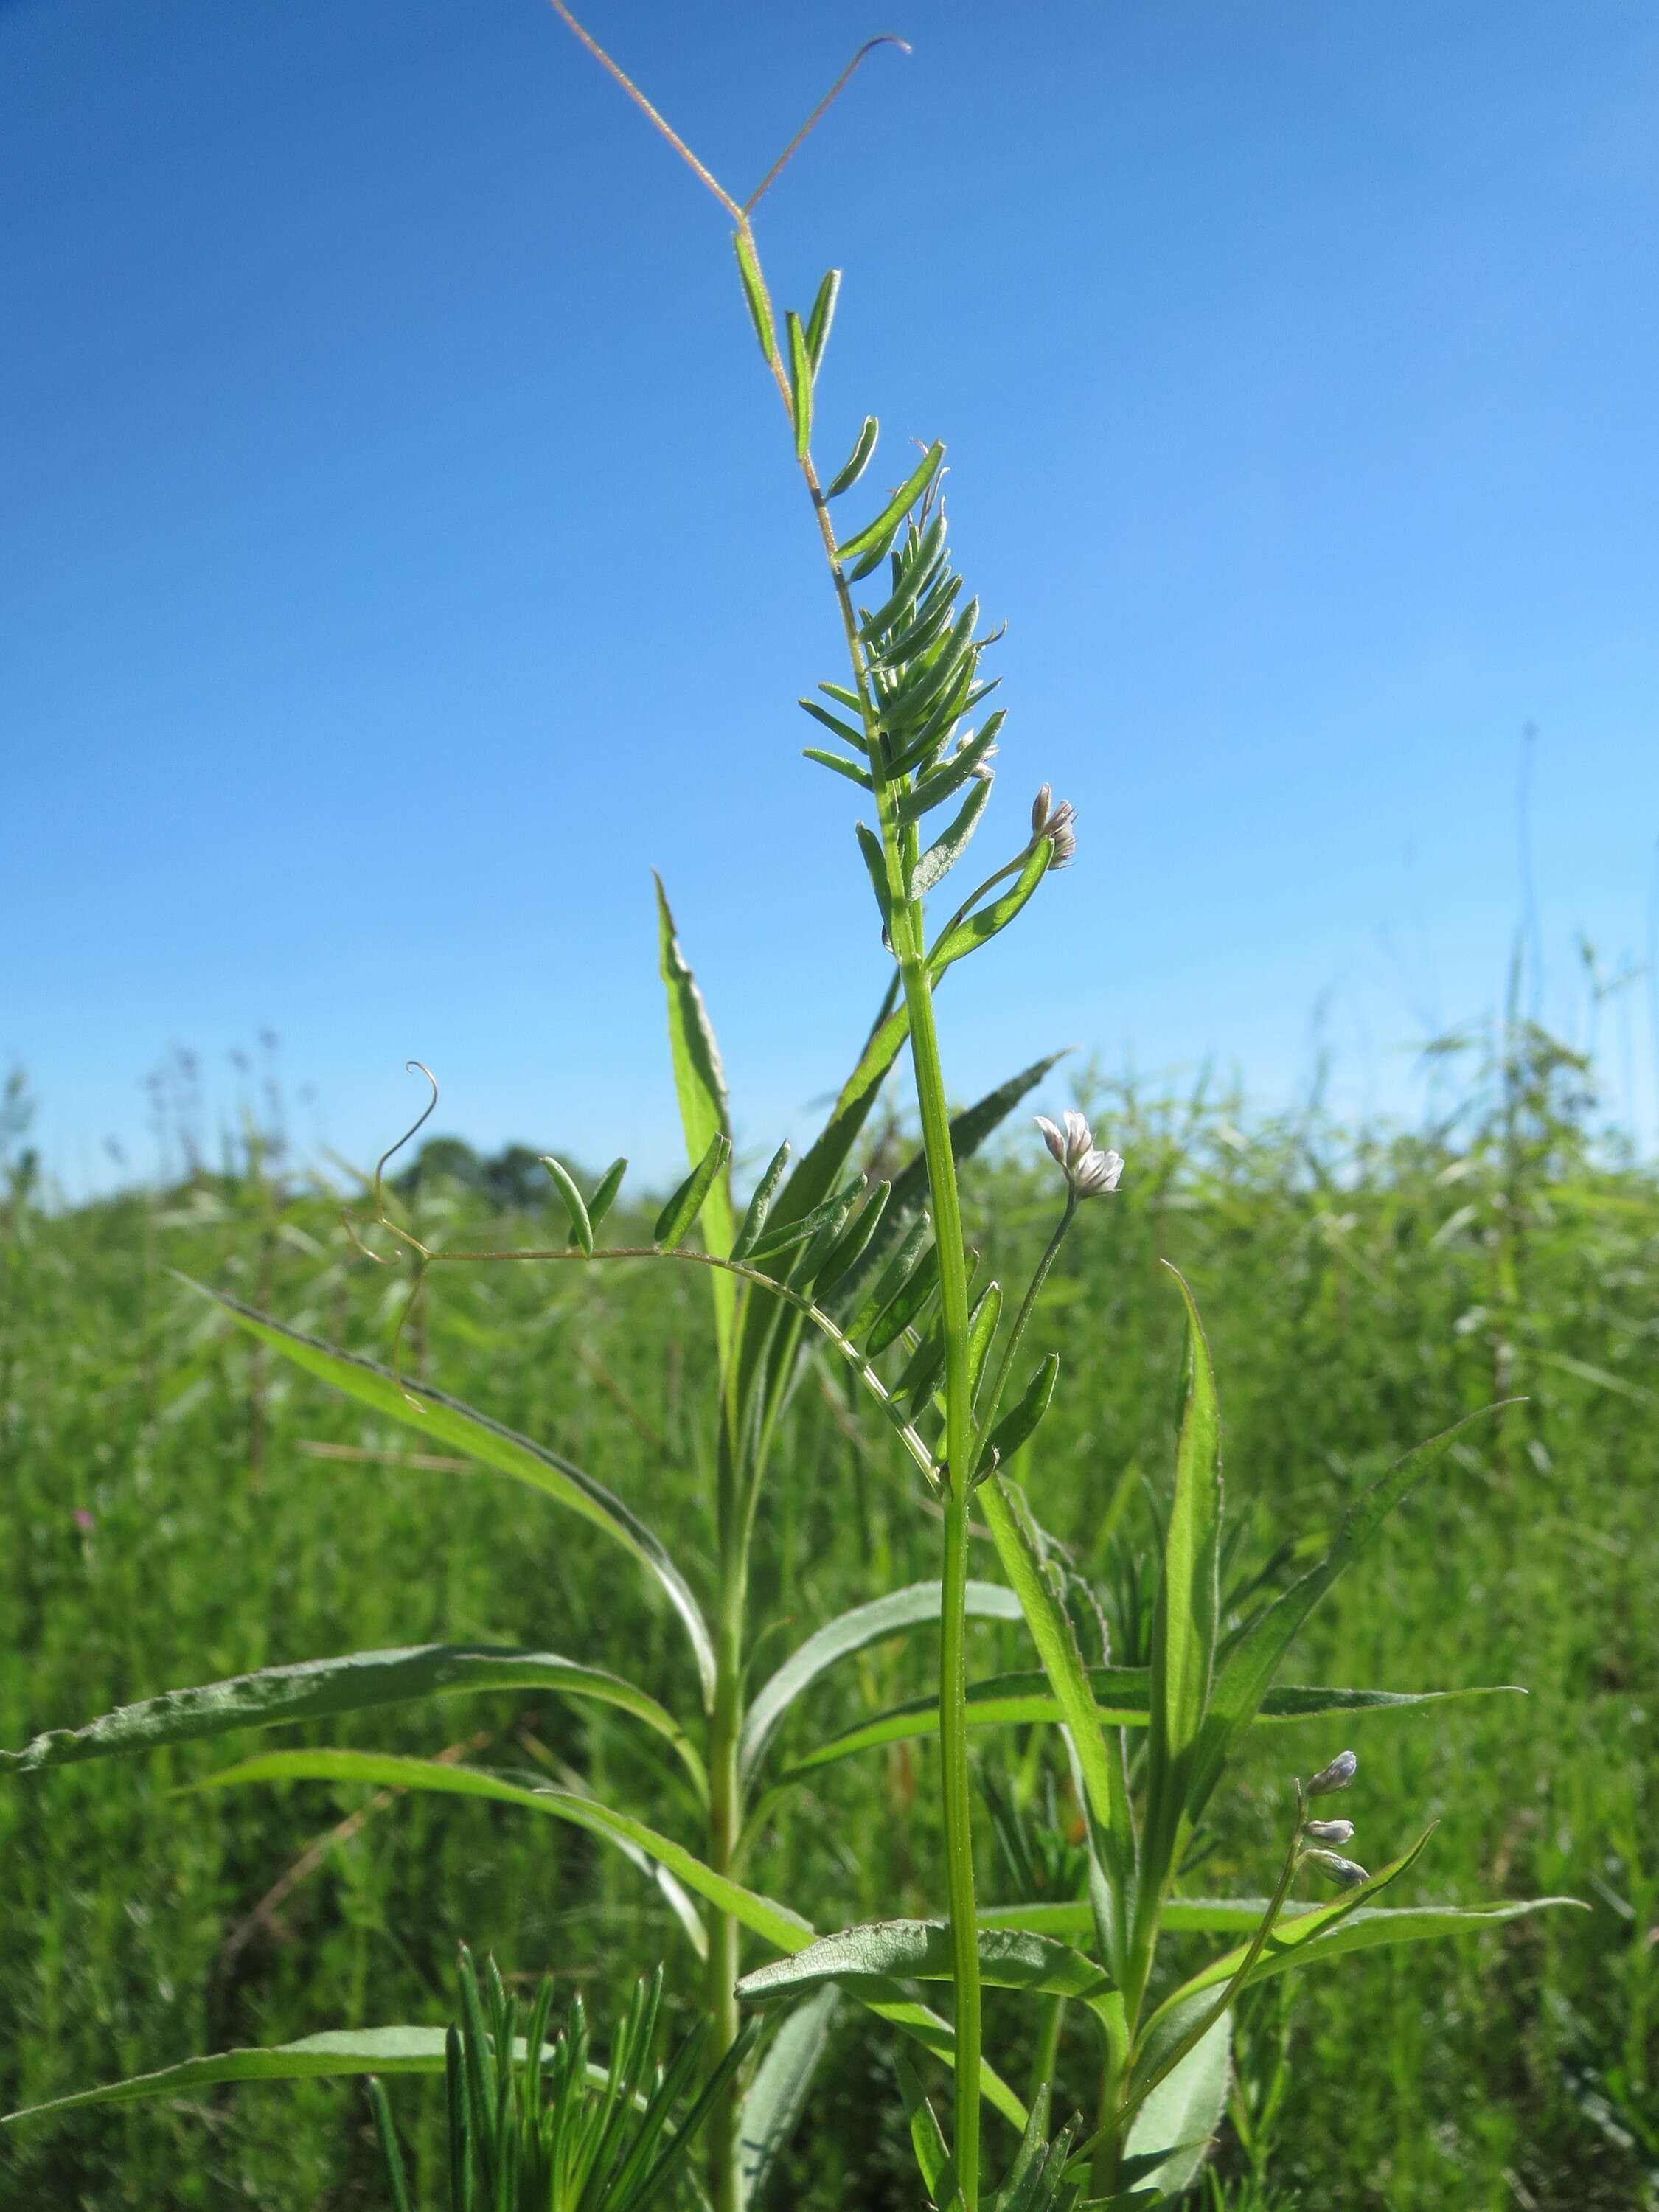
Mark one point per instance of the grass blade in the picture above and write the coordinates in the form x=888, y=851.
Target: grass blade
x=700, y=1086
x=1243, y=1682
x=920, y=1950
x=917, y=1606
x=1185, y=1616
x=446, y=1419
x=775, y=2097
x=776, y=1923
x=317, y=1689
x=336, y=2053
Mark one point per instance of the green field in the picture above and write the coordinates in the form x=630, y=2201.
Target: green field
x=1360, y=1292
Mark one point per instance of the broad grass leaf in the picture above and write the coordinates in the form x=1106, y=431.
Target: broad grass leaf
x=1122, y=1699
x=1309, y=1933
x=700, y=1086
x=1062, y=1662
x=1183, y=2112
x=421, y=1406
x=920, y=1950
x=1000, y=1701
x=1185, y=1613
x=1250, y=1667
x=778, y=1924
x=336, y=2052
x=853, y=1631
x=773, y=2102
x=763, y=1916
x=317, y=1689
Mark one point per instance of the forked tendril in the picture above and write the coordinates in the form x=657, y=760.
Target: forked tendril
x=738, y=214
x=424, y=1257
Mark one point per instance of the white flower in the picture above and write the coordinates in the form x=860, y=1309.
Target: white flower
x=1337, y=1776
x=1088, y=1170
x=1339, y=1869
x=1058, y=823
x=1329, y=1831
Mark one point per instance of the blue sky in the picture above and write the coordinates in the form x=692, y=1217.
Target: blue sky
x=402, y=553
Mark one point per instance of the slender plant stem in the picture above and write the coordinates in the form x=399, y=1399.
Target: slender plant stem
x=1107, y=2145
x=907, y=933
x=992, y=1404
x=725, y=1834
x=960, y=1439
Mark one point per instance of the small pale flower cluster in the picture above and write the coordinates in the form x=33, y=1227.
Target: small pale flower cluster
x=1337, y=1776
x=1088, y=1170
x=1058, y=824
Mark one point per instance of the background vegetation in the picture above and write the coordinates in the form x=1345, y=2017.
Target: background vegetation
x=173, y=1508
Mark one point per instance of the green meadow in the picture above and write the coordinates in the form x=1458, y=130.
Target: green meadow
x=176, y=1507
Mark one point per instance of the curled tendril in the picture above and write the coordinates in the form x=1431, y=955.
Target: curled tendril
x=424, y=1257
x=886, y=39
x=383, y=1220
x=410, y=1067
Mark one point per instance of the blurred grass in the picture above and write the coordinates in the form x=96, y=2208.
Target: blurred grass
x=1360, y=1292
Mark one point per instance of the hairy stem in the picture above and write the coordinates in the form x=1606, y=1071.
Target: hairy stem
x=956, y=1776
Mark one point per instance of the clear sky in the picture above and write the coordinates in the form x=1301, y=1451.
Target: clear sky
x=402, y=552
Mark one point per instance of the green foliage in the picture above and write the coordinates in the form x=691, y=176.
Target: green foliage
x=859, y=1293
x=535, y=2127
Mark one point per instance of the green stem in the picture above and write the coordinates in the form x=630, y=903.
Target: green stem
x=955, y=1774
x=1108, y=2145
x=725, y=1812
x=1046, y=2053
x=910, y=948
x=993, y=1405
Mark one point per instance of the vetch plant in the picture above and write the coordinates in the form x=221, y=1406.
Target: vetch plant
x=823, y=1264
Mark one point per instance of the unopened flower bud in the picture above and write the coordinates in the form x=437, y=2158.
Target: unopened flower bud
x=1337, y=1776
x=1088, y=1170
x=1329, y=1831
x=1057, y=824
x=1339, y=1869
